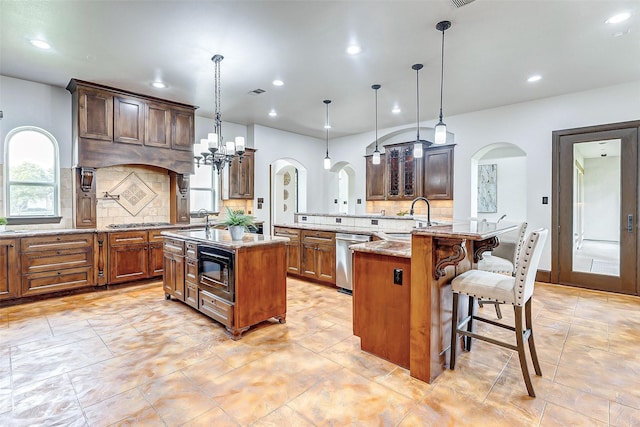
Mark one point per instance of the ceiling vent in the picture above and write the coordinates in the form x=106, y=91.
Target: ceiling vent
x=460, y=3
x=256, y=92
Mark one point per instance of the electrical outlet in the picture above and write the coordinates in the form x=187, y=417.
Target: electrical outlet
x=397, y=276
x=545, y=200
x=338, y=220
x=374, y=222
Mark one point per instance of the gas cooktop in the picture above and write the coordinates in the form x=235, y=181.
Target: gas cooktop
x=139, y=224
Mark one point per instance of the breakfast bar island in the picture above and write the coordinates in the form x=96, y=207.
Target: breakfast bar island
x=402, y=297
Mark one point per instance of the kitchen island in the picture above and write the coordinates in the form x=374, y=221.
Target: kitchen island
x=238, y=283
x=402, y=293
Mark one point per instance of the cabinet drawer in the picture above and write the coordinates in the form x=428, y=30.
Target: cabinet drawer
x=63, y=241
x=127, y=238
x=191, y=271
x=215, y=308
x=33, y=262
x=174, y=246
x=155, y=236
x=52, y=281
x=191, y=250
x=322, y=237
x=191, y=295
x=291, y=233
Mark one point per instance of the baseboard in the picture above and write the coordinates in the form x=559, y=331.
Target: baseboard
x=543, y=276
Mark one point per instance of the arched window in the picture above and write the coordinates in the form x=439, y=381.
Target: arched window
x=32, y=178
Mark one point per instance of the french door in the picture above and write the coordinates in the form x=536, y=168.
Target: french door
x=595, y=216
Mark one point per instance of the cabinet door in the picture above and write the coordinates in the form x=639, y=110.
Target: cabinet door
x=168, y=274
x=9, y=269
x=326, y=263
x=241, y=177
x=85, y=198
x=95, y=114
x=182, y=129
x=438, y=173
x=293, y=257
x=376, y=178
x=409, y=168
x=394, y=173
x=128, y=120
x=308, y=259
x=46, y=282
x=156, y=259
x=157, y=125
x=127, y=263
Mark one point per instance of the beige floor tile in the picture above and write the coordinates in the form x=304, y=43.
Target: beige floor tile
x=284, y=416
x=215, y=417
x=128, y=408
x=620, y=415
x=555, y=415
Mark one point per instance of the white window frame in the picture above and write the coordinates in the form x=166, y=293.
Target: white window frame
x=56, y=174
x=214, y=190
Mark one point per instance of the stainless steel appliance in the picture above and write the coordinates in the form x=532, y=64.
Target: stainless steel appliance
x=215, y=272
x=344, y=259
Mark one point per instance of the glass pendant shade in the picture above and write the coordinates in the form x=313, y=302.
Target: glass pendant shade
x=376, y=157
x=417, y=150
x=327, y=126
x=441, y=134
x=240, y=144
x=327, y=162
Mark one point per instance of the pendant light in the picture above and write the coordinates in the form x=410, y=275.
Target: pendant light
x=327, y=159
x=441, y=128
x=376, y=153
x=417, y=147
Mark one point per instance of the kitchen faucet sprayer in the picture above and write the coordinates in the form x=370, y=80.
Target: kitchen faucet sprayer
x=428, y=209
x=206, y=219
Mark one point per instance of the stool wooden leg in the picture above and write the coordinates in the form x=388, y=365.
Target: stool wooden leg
x=521, y=354
x=498, y=312
x=532, y=345
x=467, y=345
x=454, y=332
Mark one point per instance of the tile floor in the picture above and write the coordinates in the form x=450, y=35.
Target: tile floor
x=129, y=357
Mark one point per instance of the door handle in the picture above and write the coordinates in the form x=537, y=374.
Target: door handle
x=630, y=223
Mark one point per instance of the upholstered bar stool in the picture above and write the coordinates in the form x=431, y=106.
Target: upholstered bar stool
x=503, y=258
x=503, y=289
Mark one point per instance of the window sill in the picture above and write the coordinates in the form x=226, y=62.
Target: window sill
x=24, y=220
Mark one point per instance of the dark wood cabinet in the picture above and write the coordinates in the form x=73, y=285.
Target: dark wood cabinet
x=9, y=269
x=57, y=263
x=292, y=247
x=127, y=263
x=85, y=200
x=403, y=170
x=191, y=274
x=241, y=176
x=179, y=210
x=438, y=173
x=128, y=120
x=318, y=255
x=95, y=114
x=157, y=125
x=173, y=276
x=375, y=177
x=156, y=259
x=182, y=129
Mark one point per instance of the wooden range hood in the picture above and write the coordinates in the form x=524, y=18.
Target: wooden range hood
x=114, y=127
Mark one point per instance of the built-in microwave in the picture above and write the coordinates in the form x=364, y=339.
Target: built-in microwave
x=215, y=271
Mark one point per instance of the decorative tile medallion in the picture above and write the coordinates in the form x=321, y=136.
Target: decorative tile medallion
x=133, y=194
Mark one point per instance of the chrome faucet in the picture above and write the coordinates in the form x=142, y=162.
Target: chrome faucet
x=428, y=209
x=206, y=219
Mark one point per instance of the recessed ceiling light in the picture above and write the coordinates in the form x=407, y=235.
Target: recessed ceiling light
x=273, y=113
x=278, y=82
x=354, y=49
x=327, y=126
x=40, y=44
x=396, y=110
x=159, y=85
x=618, y=18
x=534, y=78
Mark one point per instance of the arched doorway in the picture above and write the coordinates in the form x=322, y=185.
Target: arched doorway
x=499, y=182
x=342, y=185
x=288, y=190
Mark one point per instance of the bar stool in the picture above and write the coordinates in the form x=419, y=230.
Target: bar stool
x=503, y=289
x=503, y=258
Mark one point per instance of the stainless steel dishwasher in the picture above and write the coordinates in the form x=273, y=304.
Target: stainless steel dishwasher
x=344, y=267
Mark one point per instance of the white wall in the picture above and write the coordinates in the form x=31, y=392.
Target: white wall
x=527, y=125
x=511, y=185
x=274, y=144
x=25, y=103
x=602, y=198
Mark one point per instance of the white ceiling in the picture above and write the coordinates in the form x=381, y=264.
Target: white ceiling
x=490, y=50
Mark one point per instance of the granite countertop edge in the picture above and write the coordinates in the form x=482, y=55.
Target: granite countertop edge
x=222, y=238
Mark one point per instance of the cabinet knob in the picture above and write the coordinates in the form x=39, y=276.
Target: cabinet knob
x=57, y=238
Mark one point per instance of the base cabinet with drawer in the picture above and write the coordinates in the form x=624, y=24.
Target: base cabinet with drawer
x=318, y=255
x=57, y=263
x=191, y=274
x=293, y=247
x=128, y=256
x=173, y=276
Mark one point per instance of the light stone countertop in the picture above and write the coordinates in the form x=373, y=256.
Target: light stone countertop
x=395, y=248
x=223, y=238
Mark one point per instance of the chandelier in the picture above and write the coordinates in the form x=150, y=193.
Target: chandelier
x=213, y=150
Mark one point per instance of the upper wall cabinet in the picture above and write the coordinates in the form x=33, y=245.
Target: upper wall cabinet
x=400, y=176
x=376, y=178
x=438, y=173
x=241, y=175
x=112, y=126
